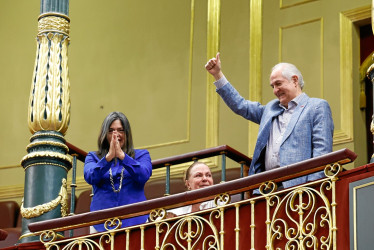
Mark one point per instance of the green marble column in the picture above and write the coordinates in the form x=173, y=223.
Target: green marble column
x=47, y=164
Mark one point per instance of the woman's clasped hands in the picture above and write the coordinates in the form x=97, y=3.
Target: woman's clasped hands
x=116, y=140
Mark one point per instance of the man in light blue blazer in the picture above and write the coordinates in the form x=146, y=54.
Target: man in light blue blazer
x=293, y=127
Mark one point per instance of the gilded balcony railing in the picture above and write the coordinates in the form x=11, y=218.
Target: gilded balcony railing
x=301, y=217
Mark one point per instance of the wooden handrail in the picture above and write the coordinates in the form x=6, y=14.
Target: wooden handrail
x=316, y=164
x=177, y=159
x=73, y=150
x=205, y=153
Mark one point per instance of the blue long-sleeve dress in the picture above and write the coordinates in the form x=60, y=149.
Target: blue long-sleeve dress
x=136, y=173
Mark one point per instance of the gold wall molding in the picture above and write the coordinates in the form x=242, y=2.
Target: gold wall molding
x=345, y=133
x=316, y=20
x=10, y=166
x=165, y=144
x=213, y=46
x=255, y=65
x=284, y=6
x=347, y=20
x=358, y=14
x=189, y=94
x=11, y=192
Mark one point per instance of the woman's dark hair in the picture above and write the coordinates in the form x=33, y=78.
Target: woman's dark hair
x=102, y=142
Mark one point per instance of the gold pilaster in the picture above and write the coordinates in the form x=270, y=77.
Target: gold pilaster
x=255, y=65
x=213, y=46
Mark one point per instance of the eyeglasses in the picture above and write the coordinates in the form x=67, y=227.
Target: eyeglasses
x=120, y=130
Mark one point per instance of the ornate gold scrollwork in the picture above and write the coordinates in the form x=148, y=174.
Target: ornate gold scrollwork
x=77, y=244
x=46, y=154
x=333, y=170
x=112, y=224
x=157, y=214
x=38, y=210
x=190, y=230
x=49, y=143
x=222, y=199
x=267, y=188
x=306, y=210
x=106, y=239
x=162, y=227
x=48, y=236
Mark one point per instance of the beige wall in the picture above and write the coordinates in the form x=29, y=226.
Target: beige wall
x=143, y=58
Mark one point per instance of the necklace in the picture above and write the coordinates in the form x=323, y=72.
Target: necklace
x=112, y=182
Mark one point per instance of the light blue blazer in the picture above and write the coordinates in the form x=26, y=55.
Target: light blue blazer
x=309, y=133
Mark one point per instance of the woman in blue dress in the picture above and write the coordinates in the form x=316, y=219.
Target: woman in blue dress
x=117, y=171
